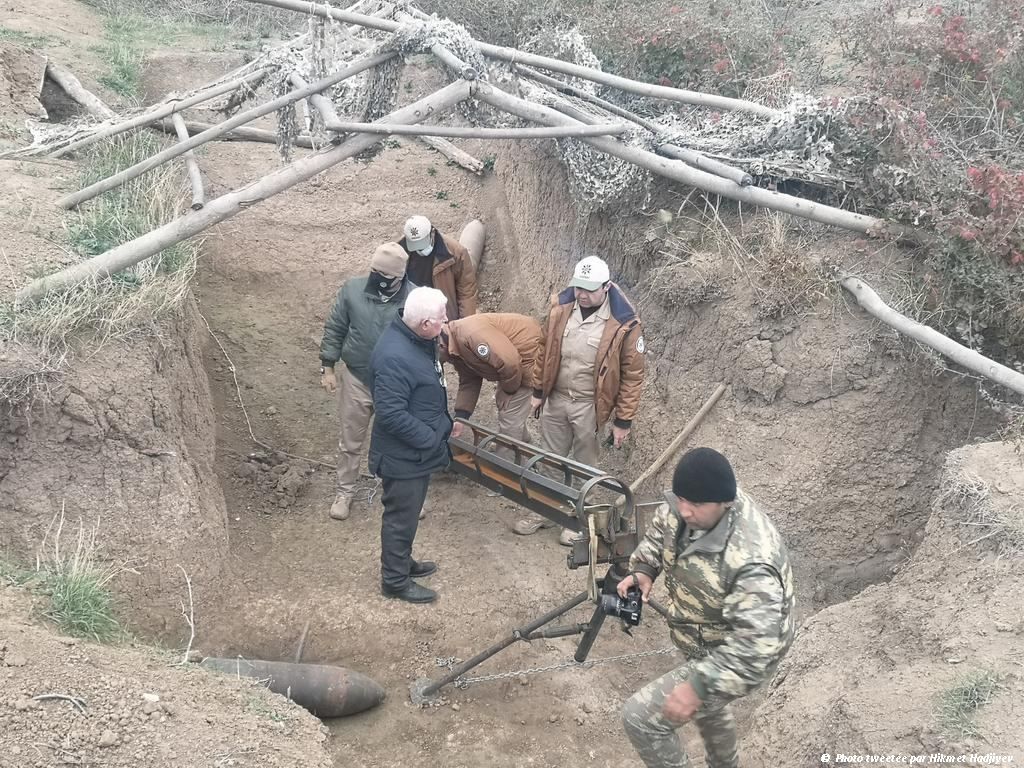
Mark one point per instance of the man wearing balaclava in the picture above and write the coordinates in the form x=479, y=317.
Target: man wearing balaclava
x=363, y=308
x=442, y=262
x=731, y=589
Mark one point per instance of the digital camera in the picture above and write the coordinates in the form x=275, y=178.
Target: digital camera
x=626, y=608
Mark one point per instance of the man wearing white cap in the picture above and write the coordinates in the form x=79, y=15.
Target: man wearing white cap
x=590, y=367
x=363, y=308
x=439, y=261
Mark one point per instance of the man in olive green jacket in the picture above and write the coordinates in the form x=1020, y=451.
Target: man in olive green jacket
x=363, y=308
x=731, y=593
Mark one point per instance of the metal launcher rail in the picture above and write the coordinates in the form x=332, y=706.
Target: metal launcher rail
x=574, y=495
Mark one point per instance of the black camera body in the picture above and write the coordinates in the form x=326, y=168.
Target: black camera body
x=626, y=608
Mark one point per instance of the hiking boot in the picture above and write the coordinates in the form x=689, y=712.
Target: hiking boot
x=341, y=507
x=531, y=524
x=568, y=536
x=411, y=593
x=422, y=568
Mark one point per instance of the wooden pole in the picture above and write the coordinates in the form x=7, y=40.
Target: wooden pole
x=320, y=103
x=453, y=153
x=688, y=156
x=932, y=339
x=161, y=111
x=243, y=133
x=227, y=205
x=682, y=437
x=694, y=177
x=194, y=176
x=70, y=84
x=462, y=132
x=105, y=185
x=501, y=53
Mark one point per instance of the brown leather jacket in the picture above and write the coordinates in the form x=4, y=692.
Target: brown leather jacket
x=619, y=369
x=454, y=275
x=493, y=346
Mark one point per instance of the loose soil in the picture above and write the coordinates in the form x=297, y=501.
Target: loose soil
x=831, y=422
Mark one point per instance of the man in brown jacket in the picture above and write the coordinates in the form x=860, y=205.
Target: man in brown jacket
x=442, y=262
x=590, y=368
x=500, y=348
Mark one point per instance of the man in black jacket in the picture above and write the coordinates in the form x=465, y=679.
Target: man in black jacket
x=409, y=441
x=363, y=308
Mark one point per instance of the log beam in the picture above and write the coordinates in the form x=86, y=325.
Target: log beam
x=105, y=185
x=194, y=176
x=712, y=101
x=958, y=353
x=227, y=205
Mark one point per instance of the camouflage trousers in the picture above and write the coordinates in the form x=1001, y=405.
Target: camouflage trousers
x=655, y=738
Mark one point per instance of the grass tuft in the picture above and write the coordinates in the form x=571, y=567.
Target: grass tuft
x=959, y=704
x=77, y=584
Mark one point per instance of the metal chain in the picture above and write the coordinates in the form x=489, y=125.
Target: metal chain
x=465, y=682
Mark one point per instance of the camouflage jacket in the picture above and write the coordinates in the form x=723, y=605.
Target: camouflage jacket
x=731, y=591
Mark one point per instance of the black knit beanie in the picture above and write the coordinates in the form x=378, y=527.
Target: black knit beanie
x=704, y=474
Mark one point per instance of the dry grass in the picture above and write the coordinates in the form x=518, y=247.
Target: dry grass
x=767, y=250
x=959, y=703
x=988, y=526
x=126, y=306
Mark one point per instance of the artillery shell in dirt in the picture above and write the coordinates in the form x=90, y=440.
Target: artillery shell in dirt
x=323, y=690
x=472, y=238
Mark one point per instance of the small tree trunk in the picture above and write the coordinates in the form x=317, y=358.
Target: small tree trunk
x=194, y=176
x=932, y=339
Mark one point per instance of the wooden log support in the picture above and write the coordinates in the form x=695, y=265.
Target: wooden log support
x=958, y=353
x=105, y=185
x=194, y=176
x=694, y=177
x=468, y=132
x=227, y=205
x=70, y=84
x=453, y=153
x=712, y=101
x=320, y=103
x=242, y=133
x=161, y=111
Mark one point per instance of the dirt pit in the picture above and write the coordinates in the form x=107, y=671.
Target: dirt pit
x=832, y=424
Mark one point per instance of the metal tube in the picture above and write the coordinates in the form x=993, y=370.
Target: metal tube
x=517, y=634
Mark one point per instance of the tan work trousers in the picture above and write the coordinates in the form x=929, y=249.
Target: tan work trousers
x=355, y=408
x=568, y=423
x=513, y=413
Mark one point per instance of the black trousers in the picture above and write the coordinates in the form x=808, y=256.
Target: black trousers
x=403, y=499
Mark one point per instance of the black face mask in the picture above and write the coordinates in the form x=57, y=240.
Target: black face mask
x=383, y=284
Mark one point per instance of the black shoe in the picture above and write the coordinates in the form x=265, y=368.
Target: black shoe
x=423, y=568
x=413, y=593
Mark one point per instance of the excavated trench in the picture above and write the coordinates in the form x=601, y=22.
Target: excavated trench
x=830, y=422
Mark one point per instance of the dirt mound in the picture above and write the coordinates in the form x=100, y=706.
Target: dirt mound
x=136, y=708
x=880, y=673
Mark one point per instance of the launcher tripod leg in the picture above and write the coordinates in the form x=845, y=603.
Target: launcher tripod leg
x=608, y=585
x=424, y=690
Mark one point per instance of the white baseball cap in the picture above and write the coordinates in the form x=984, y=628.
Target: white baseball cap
x=590, y=274
x=417, y=233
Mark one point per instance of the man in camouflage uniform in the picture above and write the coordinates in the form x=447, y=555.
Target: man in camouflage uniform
x=731, y=612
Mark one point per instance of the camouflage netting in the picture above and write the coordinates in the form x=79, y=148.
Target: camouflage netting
x=798, y=143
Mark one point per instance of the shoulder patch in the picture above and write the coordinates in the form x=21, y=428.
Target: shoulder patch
x=641, y=345
x=483, y=350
